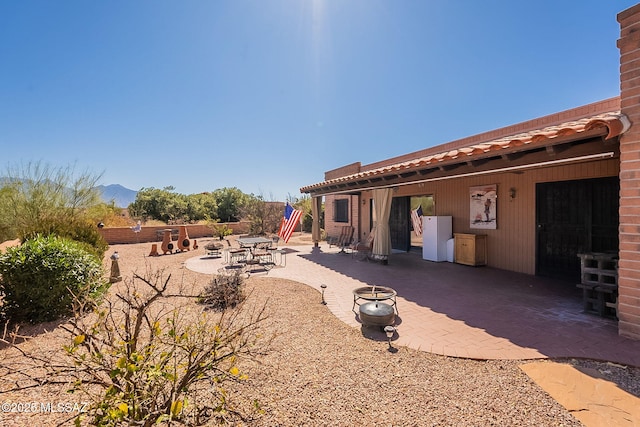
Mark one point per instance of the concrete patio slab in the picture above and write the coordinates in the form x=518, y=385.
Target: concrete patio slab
x=461, y=311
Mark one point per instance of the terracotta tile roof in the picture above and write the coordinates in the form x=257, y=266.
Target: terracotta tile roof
x=609, y=125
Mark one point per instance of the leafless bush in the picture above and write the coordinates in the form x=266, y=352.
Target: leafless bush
x=148, y=356
x=224, y=291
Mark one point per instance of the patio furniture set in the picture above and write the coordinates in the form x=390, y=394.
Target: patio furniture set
x=252, y=252
x=377, y=304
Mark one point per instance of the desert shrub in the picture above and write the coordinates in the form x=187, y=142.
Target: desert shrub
x=83, y=232
x=87, y=234
x=147, y=357
x=40, y=278
x=38, y=196
x=224, y=291
x=219, y=230
x=38, y=199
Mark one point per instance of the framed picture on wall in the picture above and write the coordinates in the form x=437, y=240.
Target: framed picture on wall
x=483, y=206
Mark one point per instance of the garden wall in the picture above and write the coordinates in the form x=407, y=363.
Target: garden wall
x=123, y=235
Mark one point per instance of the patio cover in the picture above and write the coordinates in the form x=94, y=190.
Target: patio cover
x=486, y=153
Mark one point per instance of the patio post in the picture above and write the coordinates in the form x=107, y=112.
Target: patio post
x=316, y=207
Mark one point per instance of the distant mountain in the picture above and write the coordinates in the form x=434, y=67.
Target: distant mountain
x=121, y=196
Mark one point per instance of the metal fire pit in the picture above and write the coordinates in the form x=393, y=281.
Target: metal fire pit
x=374, y=294
x=377, y=314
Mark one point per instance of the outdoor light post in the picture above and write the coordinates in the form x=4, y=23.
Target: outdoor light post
x=323, y=286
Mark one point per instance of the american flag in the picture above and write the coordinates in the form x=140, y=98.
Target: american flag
x=416, y=220
x=289, y=222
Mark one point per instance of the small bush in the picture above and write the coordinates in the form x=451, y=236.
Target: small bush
x=88, y=234
x=224, y=291
x=40, y=279
x=219, y=230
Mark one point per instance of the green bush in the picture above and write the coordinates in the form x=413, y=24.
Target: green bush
x=81, y=231
x=40, y=279
x=88, y=234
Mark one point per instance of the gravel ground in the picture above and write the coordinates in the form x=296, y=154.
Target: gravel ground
x=319, y=371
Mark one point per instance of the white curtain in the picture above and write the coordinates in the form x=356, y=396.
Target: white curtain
x=382, y=237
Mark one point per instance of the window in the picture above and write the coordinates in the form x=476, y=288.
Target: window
x=341, y=210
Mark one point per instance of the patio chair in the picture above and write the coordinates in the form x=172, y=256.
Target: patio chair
x=273, y=249
x=345, y=232
x=346, y=238
x=235, y=254
x=360, y=246
x=263, y=254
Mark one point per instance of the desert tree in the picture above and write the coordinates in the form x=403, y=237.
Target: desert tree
x=40, y=199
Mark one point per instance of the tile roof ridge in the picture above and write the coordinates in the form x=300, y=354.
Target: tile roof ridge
x=607, y=106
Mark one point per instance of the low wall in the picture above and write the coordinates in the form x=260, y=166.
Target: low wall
x=123, y=235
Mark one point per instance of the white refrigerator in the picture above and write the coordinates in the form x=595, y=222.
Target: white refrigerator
x=436, y=230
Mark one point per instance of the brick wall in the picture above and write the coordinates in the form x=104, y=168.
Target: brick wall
x=333, y=228
x=349, y=169
x=629, y=265
x=123, y=235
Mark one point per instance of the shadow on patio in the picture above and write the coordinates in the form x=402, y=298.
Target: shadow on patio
x=481, y=312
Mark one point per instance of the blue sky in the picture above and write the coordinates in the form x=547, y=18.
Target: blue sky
x=267, y=95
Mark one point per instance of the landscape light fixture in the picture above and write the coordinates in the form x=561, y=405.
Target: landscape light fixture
x=323, y=286
x=389, y=330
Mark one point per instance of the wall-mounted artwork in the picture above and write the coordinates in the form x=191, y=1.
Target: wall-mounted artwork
x=483, y=206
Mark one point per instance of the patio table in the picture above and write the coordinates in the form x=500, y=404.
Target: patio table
x=252, y=243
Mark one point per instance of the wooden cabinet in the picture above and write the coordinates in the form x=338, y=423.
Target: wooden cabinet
x=470, y=249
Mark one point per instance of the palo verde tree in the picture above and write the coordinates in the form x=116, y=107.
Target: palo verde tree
x=201, y=206
x=8, y=229
x=39, y=199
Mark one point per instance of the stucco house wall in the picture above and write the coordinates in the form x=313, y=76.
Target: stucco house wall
x=512, y=245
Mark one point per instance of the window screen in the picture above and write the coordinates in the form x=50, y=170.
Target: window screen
x=341, y=210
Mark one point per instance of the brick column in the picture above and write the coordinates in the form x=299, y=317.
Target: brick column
x=629, y=232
